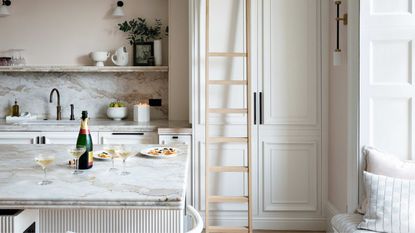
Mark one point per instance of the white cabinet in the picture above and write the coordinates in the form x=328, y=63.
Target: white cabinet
x=66, y=138
x=19, y=137
x=287, y=77
x=128, y=138
x=290, y=106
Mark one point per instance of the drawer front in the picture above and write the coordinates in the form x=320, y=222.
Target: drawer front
x=64, y=138
x=19, y=138
x=175, y=139
x=129, y=138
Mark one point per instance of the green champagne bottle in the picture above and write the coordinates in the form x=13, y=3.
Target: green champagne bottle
x=85, y=140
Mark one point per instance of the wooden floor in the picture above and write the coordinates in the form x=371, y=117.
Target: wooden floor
x=263, y=231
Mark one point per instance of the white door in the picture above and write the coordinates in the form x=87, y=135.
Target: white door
x=291, y=59
x=19, y=137
x=127, y=138
x=64, y=138
x=387, y=90
x=289, y=126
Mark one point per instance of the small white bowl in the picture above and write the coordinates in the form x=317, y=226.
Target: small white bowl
x=99, y=57
x=117, y=114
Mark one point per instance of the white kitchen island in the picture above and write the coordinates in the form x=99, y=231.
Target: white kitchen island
x=150, y=199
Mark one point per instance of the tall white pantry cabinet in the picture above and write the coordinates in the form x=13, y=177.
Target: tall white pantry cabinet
x=289, y=72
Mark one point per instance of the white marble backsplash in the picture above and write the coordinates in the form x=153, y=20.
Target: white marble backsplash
x=87, y=91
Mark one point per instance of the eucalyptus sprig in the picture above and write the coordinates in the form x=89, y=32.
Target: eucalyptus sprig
x=139, y=31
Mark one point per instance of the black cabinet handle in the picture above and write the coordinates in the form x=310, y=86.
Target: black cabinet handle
x=72, y=117
x=43, y=140
x=127, y=133
x=175, y=137
x=261, y=109
x=37, y=140
x=254, y=108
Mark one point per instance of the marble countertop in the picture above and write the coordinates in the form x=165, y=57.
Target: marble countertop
x=153, y=183
x=98, y=125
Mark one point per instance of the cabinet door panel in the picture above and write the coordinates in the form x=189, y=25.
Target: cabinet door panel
x=291, y=61
x=290, y=175
x=18, y=137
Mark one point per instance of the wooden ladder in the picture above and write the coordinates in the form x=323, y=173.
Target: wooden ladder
x=209, y=140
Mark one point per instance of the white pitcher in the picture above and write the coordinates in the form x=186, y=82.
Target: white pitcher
x=120, y=57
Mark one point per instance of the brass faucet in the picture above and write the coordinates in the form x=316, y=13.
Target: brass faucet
x=58, y=107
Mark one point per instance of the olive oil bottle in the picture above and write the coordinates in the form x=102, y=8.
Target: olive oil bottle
x=85, y=140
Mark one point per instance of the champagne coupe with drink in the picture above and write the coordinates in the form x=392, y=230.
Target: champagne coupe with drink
x=125, y=153
x=44, y=161
x=77, y=153
x=114, y=152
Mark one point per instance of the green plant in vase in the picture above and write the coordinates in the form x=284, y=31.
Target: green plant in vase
x=145, y=39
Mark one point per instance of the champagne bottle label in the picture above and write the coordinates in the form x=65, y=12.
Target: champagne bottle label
x=85, y=140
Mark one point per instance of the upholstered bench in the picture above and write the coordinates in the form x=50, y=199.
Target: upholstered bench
x=347, y=223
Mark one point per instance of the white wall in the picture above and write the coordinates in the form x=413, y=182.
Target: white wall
x=337, y=178
x=64, y=32
x=179, y=78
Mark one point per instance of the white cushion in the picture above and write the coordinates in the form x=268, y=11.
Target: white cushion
x=385, y=164
x=391, y=204
x=347, y=223
x=381, y=163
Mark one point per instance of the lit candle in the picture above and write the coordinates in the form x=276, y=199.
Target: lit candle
x=142, y=112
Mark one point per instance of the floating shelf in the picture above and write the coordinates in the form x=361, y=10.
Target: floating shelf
x=85, y=69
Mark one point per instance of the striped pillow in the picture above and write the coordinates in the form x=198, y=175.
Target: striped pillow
x=391, y=204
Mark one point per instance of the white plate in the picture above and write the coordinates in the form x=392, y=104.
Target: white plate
x=96, y=153
x=146, y=150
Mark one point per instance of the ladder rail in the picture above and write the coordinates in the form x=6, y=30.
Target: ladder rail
x=249, y=107
x=209, y=140
x=207, y=119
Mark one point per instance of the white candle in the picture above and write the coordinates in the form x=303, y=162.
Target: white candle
x=142, y=112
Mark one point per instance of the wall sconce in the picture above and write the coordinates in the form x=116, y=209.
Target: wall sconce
x=119, y=11
x=336, y=55
x=4, y=8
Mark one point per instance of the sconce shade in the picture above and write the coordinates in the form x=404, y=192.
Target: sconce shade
x=4, y=10
x=119, y=11
x=337, y=59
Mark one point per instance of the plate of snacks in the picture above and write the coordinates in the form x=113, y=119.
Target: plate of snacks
x=102, y=155
x=160, y=152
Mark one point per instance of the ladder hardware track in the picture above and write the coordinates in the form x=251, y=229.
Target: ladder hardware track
x=226, y=199
x=228, y=110
x=229, y=169
x=227, y=82
x=227, y=54
x=227, y=140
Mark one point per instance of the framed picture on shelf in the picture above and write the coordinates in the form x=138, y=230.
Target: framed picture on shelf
x=143, y=54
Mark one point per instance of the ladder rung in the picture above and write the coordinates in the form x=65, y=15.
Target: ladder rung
x=229, y=169
x=217, y=229
x=217, y=199
x=228, y=110
x=227, y=139
x=228, y=82
x=227, y=54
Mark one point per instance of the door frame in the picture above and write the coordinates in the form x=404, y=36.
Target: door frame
x=353, y=98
